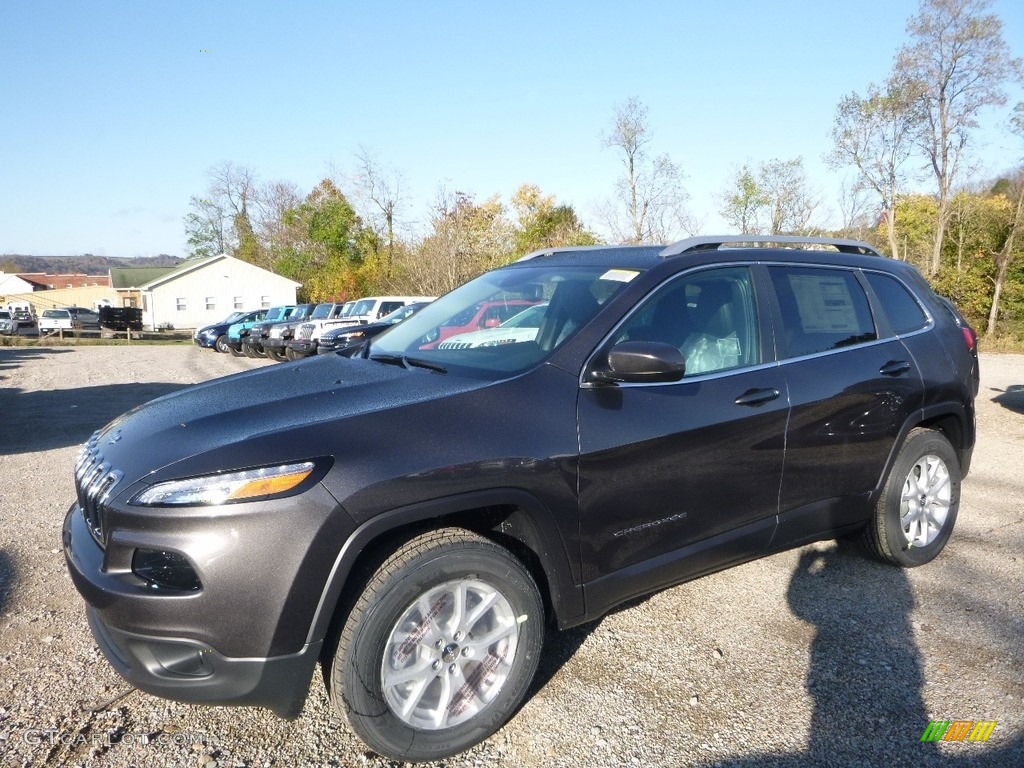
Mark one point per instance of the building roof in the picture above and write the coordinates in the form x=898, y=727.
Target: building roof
x=124, y=278
x=45, y=280
x=149, y=278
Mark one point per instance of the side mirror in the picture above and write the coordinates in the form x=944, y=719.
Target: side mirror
x=642, y=362
x=492, y=322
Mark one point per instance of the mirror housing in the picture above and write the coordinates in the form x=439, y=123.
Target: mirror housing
x=642, y=362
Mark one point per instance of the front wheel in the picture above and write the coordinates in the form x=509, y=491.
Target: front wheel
x=917, y=509
x=221, y=345
x=440, y=647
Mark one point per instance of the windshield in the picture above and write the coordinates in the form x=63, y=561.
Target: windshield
x=276, y=313
x=363, y=307
x=321, y=312
x=559, y=300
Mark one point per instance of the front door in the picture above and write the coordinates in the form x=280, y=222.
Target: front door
x=680, y=478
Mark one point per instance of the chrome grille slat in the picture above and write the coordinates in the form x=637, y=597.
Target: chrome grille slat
x=94, y=483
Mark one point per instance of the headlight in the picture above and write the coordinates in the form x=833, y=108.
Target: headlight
x=225, y=489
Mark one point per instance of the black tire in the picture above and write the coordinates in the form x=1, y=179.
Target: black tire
x=235, y=351
x=936, y=502
x=459, y=670
x=249, y=351
x=221, y=345
x=276, y=354
x=291, y=355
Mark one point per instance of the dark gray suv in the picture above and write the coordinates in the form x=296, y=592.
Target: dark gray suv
x=416, y=516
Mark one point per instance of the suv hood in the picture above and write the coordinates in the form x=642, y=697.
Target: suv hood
x=246, y=420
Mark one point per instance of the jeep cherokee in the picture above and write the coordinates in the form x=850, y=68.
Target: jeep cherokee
x=414, y=517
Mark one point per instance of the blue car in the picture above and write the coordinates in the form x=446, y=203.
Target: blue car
x=216, y=336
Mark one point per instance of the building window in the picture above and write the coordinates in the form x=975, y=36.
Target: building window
x=181, y=304
x=211, y=302
x=238, y=302
x=264, y=301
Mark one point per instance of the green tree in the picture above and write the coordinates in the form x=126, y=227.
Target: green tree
x=324, y=244
x=745, y=202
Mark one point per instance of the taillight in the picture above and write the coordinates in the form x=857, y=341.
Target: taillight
x=970, y=337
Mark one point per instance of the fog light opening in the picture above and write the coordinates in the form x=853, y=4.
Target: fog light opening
x=165, y=570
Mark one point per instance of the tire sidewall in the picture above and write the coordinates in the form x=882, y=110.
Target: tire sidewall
x=922, y=443
x=368, y=710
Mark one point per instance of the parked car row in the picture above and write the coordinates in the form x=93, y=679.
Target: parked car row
x=294, y=331
x=68, y=319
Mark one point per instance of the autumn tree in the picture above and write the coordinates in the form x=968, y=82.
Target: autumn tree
x=541, y=223
x=466, y=238
x=650, y=200
x=956, y=63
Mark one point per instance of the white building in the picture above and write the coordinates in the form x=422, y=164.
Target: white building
x=200, y=291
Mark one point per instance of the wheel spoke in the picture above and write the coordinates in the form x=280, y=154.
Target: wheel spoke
x=413, y=700
x=480, y=610
x=406, y=674
x=484, y=642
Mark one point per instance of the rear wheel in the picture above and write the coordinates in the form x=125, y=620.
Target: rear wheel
x=917, y=509
x=439, y=649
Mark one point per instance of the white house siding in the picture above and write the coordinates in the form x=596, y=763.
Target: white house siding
x=220, y=279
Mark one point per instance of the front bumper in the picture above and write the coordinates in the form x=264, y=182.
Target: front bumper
x=303, y=346
x=171, y=664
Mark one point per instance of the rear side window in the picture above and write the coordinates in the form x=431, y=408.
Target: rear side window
x=904, y=313
x=822, y=309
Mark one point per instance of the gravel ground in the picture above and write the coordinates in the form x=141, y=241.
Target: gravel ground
x=812, y=657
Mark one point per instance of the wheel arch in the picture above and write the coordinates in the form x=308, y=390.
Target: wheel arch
x=950, y=420
x=510, y=517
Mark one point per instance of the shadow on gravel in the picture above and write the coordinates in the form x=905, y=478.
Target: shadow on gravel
x=866, y=676
x=41, y=421
x=1011, y=398
x=8, y=574
x=13, y=357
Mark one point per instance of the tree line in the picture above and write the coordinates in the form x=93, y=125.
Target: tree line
x=351, y=235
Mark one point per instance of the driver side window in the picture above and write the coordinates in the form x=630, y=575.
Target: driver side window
x=709, y=316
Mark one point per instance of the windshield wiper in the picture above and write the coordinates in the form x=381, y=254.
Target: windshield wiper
x=408, y=362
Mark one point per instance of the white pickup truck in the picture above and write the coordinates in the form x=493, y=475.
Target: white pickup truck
x=53, y=320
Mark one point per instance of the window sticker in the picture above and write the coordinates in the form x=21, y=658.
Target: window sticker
x=824, y=303
x=620, y=275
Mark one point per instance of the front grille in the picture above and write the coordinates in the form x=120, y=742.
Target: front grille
x=305, y=332
x=94, y=484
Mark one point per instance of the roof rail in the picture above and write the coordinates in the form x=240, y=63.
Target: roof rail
x=714, y=242
x=570, y=248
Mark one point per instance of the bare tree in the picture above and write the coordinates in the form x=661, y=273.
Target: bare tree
x=957, y=62
x=791, y=201
x=855, y=209
x=875, y=134
x=222, y=220
x=380, y=191
x=650, y=202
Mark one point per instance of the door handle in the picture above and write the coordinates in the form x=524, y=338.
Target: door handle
x=894, y=368
x=757, y=396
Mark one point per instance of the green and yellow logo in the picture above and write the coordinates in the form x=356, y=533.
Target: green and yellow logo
x=958, y=730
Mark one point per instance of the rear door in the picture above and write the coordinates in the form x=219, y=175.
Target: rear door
x=850, y=392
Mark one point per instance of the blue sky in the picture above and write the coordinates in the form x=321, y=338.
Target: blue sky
x=111, y=112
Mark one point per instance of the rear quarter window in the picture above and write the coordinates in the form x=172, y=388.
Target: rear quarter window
x=904, y=313
x=822, y=309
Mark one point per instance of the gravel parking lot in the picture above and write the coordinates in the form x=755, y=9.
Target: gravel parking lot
x=812, y=657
